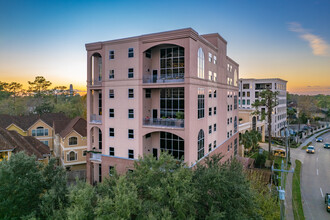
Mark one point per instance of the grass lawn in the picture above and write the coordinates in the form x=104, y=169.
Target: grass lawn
x=305, y=147
x=297, y=207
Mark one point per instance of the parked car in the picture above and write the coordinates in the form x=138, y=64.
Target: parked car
x=326, y=145
x=310, y=149
x=319, y=139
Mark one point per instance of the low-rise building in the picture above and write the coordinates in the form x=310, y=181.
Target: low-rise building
x=13, y=142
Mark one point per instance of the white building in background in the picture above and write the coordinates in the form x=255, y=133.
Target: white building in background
x=249, y=90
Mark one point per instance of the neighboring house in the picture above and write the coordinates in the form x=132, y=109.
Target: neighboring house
x=249, y=90
x=71, y=143
x=13, y=142
x=173, y=91
x=38, y=126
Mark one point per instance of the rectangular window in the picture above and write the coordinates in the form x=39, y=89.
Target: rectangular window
x=84, y=153
x=215, y=59
x=148, y=93
x=148, y=53
x=200, y=103
x=243, y=94
x=172, y=63
x=215, y=110
x=231, y=119
x=130, y=134
x=215, y=127
x=111, y=170
x=130, y=73
x=210, y=57
x=130, y=93
x=246, y=86
x=214, y=144
x=130, y=113
x=131, y=154
x=171, y=102
x=210, y=147
x=111, y=132
x=227, y=134
x=210, y=93
x=45, y=142
x=210, y=75
x=248, y=101
x=243, y=102
x=231, y=107
x=111, y=151
x=235, y=146
x=111, y=74
x=227, y=121
x=100, y=173
x=235, y=102
x=111, y=55
x=215, y=78
x=130, y=52
x=210, y=111
x=247, y=94
x=210, y=129
x=111, y=113
x=215, y=94
x=228, y=107
x=111, y=93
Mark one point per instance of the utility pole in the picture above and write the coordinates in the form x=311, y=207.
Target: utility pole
x=282, y=189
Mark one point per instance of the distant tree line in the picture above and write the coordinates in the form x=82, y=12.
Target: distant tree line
x=156, y=189
x=306, y=108
x=40, y=98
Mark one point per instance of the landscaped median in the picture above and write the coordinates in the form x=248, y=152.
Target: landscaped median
x=297, y=207
x=305, y=147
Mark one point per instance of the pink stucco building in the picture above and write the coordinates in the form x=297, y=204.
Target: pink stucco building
x=173, y=91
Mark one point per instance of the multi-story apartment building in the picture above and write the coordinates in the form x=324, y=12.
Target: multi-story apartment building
x=249, y=92
x=173, y=91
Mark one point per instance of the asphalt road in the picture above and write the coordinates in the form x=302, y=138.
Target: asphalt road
x=315, y=179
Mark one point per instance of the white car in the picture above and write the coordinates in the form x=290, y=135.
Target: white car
x=310, y=149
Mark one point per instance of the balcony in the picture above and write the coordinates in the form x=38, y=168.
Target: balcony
x=96, y=157
x=95, y=119
x=174, y=78
x=164, y=122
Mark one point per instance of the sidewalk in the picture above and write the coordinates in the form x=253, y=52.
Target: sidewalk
x=288, y=194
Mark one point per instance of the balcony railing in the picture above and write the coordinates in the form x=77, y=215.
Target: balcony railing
x=174, y=78
x=96, y=119
x=96, y=157
x=96, y=82
x=164, y=122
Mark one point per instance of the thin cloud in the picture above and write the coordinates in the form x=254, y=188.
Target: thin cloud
x=319, y=46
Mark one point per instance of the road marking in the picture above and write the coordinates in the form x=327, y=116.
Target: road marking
x=317, y=171
x=321, y=192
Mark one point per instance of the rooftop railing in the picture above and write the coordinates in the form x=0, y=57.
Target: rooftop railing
x=164, y=122
x=96, y=157
x=174, y=78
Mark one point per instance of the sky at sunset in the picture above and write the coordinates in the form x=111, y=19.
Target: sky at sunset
x=288, y=39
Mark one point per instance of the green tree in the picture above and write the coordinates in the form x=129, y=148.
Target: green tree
x=165, y=187
x=39, y=86
x=55, y=199
x=82, y=199
x=21, y=185
x=223, y=191
x=269, y=100
x=4, y=94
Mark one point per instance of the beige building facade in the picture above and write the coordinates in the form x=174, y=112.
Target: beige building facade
x=249, y=92
x=174, y=91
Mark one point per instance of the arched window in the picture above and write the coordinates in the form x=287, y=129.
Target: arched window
x=172, y=144
x=200, y=144
x=71, y=156
x=73, y=141
x=200, y=63
x=235, y=124
x=40, y=131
